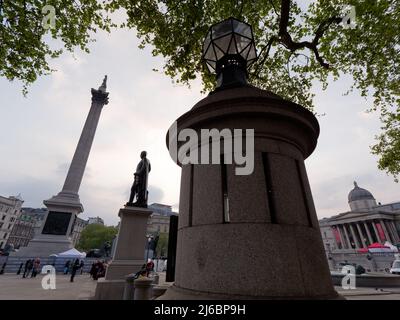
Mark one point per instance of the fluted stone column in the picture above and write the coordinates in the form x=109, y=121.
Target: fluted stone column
x=63, y=209
x=342, y=237
x=356, y=242
x=368, y=232
x=81, y=155
x=376, y=231
x=385, y=231
x=394, y=230
x=347, y=236
x=361, y=235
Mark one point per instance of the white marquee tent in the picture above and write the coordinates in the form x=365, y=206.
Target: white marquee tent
x=72, y=253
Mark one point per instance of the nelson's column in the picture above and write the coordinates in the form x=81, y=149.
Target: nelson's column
x=56, y=231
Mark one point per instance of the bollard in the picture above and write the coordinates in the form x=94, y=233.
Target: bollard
x=143, y=289
x=129, y=287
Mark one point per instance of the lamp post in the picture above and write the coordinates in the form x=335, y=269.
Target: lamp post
x=228, y=51
x=221, y=212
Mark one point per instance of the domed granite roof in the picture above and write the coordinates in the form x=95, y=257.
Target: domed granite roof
x=360, y=194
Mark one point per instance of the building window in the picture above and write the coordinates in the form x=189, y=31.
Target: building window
x=4, y=216
x=5, y=235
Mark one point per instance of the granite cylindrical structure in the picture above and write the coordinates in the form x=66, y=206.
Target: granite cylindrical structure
x=252, y=236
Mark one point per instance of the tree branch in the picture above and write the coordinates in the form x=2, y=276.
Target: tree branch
x=273, y=7
x=286, y=39
x=268, y=48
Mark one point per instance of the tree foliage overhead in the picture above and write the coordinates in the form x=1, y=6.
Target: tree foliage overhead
x=162, y=245
x=95, y=235
x=299, y=42
x=24, y=51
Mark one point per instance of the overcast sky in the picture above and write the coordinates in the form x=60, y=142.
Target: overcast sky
x=38, y=134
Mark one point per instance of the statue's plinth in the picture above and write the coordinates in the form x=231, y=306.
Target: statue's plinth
x=129, y=253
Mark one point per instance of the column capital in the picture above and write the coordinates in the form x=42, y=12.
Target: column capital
x=99, y=96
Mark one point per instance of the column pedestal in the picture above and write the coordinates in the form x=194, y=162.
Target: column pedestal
x=129, y=253
x=56, y=231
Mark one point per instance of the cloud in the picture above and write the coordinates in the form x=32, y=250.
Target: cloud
x=39, y=133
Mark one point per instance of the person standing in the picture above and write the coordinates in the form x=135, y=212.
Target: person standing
x=93, y=270
x=81, y=266
x=66, y=267
x=20, y=268
x=149, y=267
x=3, y=268
x=28, y=268
x=25, y=268
x=75, y=267
x=36, y=267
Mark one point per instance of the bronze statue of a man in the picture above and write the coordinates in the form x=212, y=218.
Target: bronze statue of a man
x=139, y=187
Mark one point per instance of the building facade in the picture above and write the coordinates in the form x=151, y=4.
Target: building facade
x=79, y=225
x=26, y=227
x=22, y=231
x=159, y=219
x=366, y=223
x=10, y=210
x=97, y=220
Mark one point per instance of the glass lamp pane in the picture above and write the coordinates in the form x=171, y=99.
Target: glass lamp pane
x=221, y=29
x=211, y=64
x=223, y=42
x=232, y=47
x=241, y=42
x=252, y=53
x=209, y=55
x=219, y=52
x=242, y=28
x=210, y=68
x=245, y=52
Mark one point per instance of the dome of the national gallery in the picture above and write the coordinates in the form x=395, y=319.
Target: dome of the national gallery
x=360, y=198
x=359, y=193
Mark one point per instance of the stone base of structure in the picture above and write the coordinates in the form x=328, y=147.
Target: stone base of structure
x=176, y=293
x=44, y=246
x=50, y=240
x=129, y=253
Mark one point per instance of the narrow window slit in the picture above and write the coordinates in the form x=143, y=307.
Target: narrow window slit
x=268, y=185
x=225, y=198
x=191, y=195
x=304, y=194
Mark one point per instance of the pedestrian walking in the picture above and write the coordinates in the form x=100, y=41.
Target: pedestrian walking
x=29, y=267
x=92, y=271
x=20, y=268
x=75, y=267
x=36, y=267
x=3, y=268
x=25, y=268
